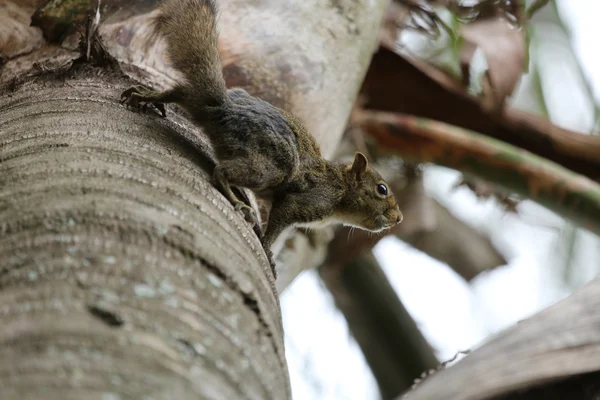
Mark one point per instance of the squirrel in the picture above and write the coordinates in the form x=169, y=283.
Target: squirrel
x=259, y=146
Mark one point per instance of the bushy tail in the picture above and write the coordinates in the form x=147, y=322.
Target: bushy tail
x=190, y=30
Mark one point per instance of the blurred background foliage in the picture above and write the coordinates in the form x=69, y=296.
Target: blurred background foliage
x=471, y=257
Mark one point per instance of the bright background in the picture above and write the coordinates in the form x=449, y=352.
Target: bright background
x=547, y=257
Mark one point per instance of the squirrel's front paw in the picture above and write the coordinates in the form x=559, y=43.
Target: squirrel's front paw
x=249, y=213
x=141, y=97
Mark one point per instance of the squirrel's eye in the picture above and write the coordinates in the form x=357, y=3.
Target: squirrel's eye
x=382, y=189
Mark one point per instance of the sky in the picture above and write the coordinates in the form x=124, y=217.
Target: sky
x=326, y=363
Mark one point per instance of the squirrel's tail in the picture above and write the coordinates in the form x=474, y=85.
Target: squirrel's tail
x=190, y=30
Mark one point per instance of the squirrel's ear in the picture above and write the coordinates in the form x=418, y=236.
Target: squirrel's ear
x=359, y=166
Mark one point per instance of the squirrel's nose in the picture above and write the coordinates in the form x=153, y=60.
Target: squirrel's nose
x=399, y=218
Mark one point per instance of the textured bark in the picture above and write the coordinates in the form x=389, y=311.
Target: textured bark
x=389, y=338
x=124, y=273
x=546, y=351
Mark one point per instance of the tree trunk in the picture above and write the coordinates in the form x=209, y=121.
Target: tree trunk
x=124, y=274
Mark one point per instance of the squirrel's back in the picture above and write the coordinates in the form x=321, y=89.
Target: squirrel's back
x=185, y=22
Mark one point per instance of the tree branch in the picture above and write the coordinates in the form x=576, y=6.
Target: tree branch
x=420, y=140
x=389, y=338
x=467, y=251
x=554, y=345
x=397, y=84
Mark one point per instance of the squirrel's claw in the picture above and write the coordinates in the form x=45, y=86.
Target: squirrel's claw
x=160, y=107
x=127, y=93
x=140, y=97
x=249, y=213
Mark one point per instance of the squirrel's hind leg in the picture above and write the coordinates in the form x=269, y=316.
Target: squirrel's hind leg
x=222, y=184
x=139, y=96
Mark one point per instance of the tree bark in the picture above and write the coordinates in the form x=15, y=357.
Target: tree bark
x=124, y=273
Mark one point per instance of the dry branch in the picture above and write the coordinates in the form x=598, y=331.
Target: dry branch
x=421, y=140
x=555, y=344
x=396, y=84
x=467, y=251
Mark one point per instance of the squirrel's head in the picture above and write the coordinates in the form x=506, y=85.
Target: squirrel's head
x=369, y=202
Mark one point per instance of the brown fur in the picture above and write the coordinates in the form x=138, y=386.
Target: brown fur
x=182, y=23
